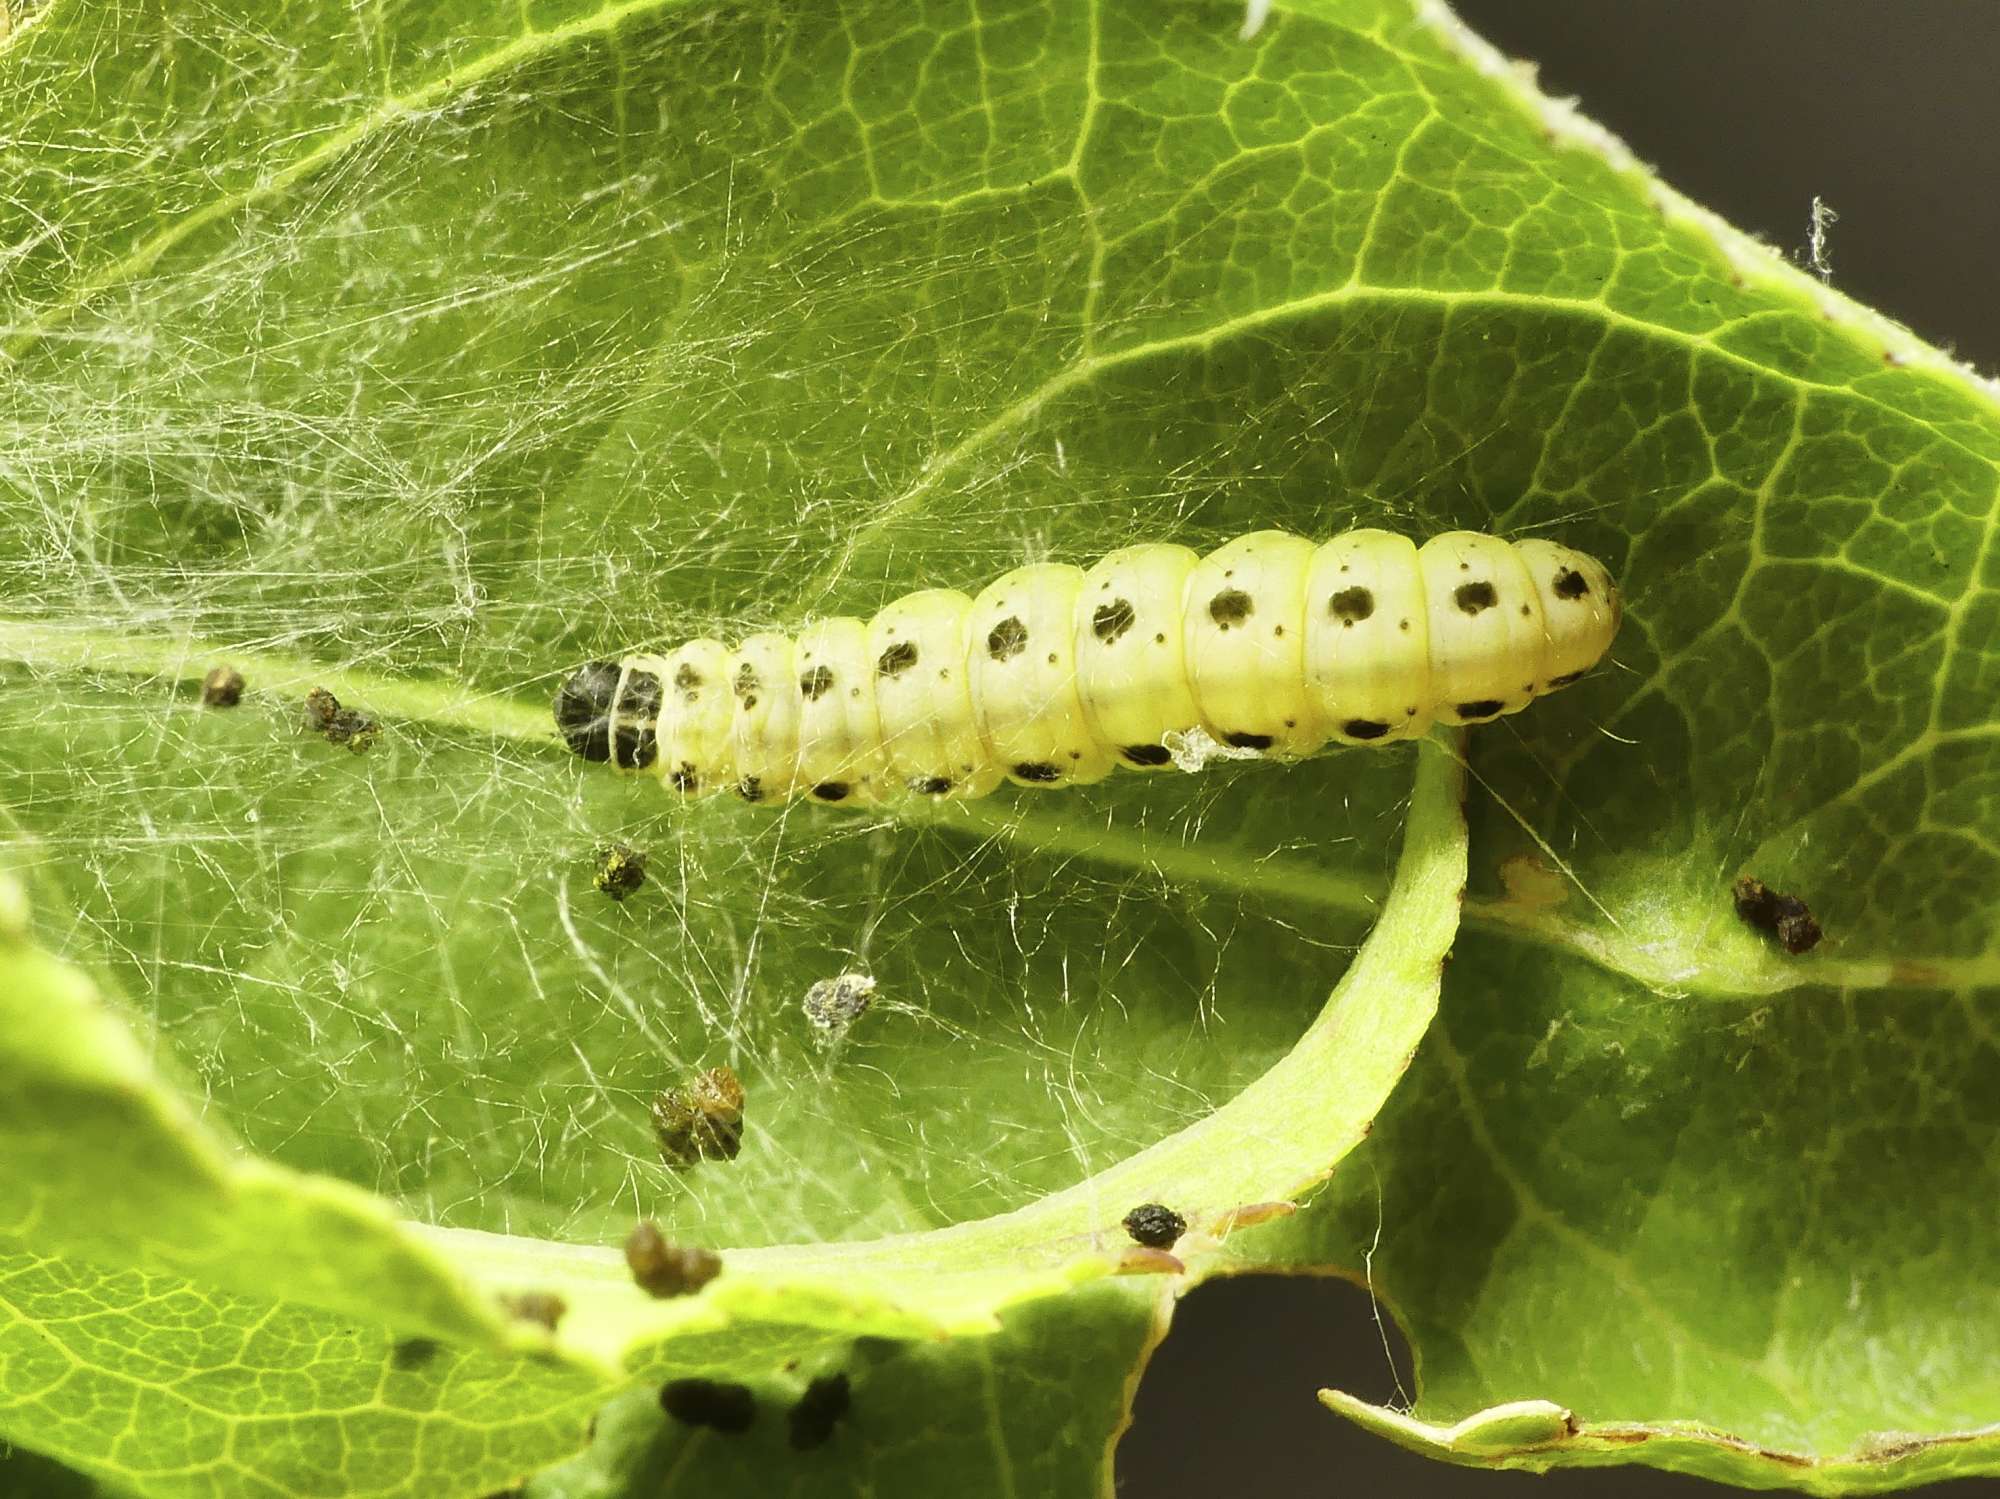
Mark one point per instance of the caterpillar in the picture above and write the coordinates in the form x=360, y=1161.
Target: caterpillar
x=1053, y=675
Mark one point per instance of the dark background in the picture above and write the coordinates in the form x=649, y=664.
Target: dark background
x=1889, y=110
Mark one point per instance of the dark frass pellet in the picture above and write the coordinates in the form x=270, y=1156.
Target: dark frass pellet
x=662, y=1269
x=1785, y=917
x=222, y=687
x=321, y=706
x=355, y=731
x=702, y=1121
x=620, y=871
x=710, y=1403
x=414, y=1353
x=833, y=1005
x=1155, y=1226
x=543, y=1308
x=338, y=725
x=819, y=1410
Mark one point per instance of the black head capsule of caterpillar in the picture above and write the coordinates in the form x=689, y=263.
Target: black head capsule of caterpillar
x=608, y=711
x=1054, y=674
x=583, y=708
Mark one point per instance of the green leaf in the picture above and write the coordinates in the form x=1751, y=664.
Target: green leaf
x=23, y=1472
x=419, y=355
x=163, y=1385
x=1035, y=1409
x=129, y=1180
x=102, y=1161
x=1538, y=1434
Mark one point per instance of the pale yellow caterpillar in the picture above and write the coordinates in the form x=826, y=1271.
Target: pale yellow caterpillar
x=1055, y=674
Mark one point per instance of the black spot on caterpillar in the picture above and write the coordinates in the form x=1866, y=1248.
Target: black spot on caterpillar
x=1231, y=607
x=1363, y=639
x=1112, y=620
x=1351, y=605
x=1473, y=597
x=1007, y=639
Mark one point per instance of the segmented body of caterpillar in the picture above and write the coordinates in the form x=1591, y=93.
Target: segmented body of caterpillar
x=1055, y=674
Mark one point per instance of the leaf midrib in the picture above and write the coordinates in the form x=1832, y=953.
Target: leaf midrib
x=1128, y=849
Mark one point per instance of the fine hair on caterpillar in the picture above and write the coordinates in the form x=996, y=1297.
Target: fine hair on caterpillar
x=1055, y=674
